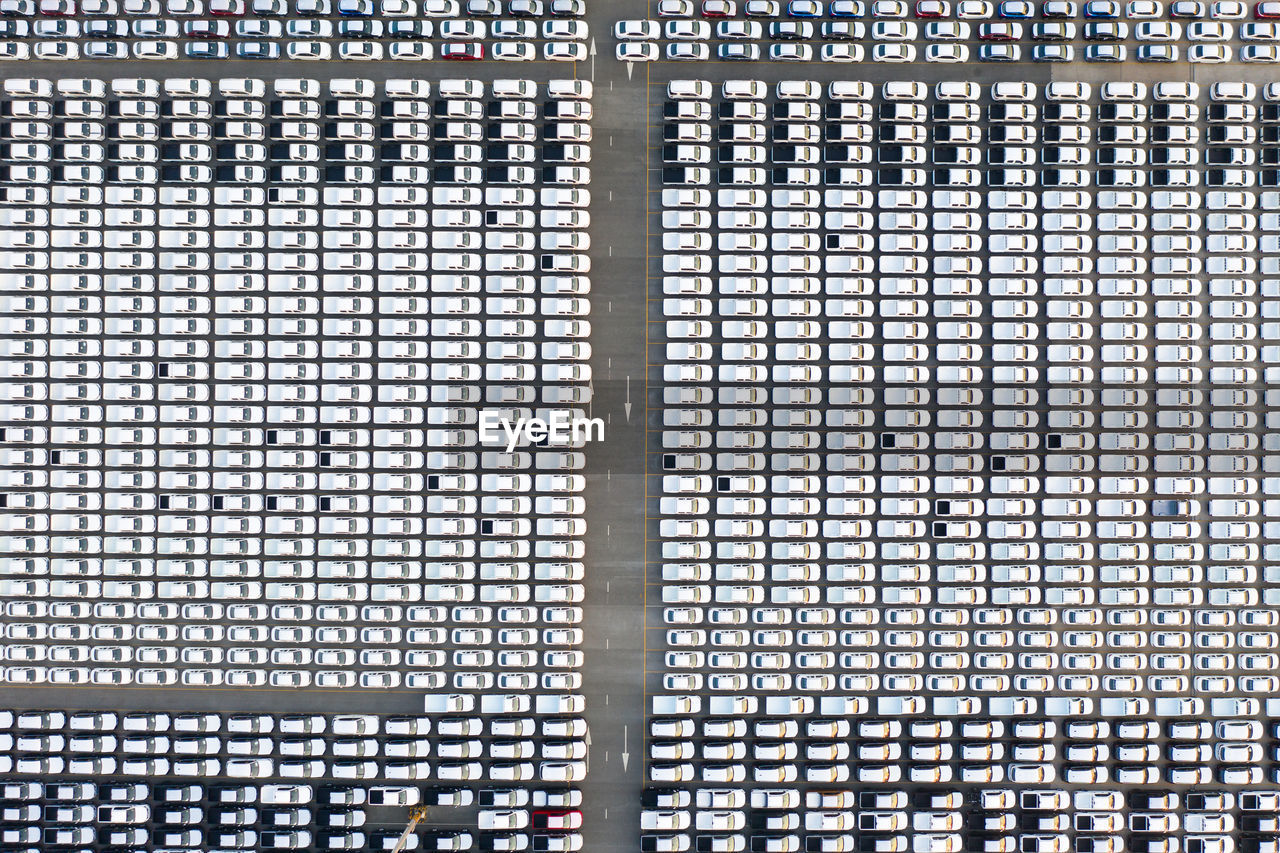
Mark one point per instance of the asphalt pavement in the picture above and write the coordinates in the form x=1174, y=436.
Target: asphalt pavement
x=613, y=673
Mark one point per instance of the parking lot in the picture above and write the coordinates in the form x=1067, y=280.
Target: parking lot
x=243, y=810
x=931, y=478
x=968, y=768
x=307, y=30
x=223, y=215
x=967, y=31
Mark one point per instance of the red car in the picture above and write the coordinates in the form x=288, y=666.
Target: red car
x=462, y=50
x=933, y=9
x=1267, y=10
x=557, y=821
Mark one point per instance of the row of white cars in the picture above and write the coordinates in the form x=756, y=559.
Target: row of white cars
x=349, y=30
x=233, y=815
x=274, y=511
x=453, y=728
x=946, y=820
x=835, y=511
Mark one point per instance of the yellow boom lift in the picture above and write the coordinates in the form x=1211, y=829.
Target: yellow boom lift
x=417, y=814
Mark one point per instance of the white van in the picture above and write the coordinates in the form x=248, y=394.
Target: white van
x=791, y=90
x=676, y=705
x=904, y=90
x=1176, y=91
x=518, y=89
x=566, y=703
x=1123, y=91
x=578, y=90
x=849, y=90
x=1233, y=91
x=446, y=703
x=689, y=89
x=743, y=90
x=1067, y=91
x=285, y=795
x=468, y=89
x=956, y=91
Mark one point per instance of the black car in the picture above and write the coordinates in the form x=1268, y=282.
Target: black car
x=678, y=175
x=952, y=112
x=451, y=152
x=840, y=153
x=1051, y=155
x=896, y=133
x=447, y=174
x=502, y=175
x=760, y=843
x=892, y=154
x=1220, y=156
x=892, y=177
x=949, y=133
x=898, y=112
x=846, y=111
x=509, y=152
x=844, y=177
x=731, y=175
x=951, y=178
x=1051, y=177
x=735, y=154
x=671, y=109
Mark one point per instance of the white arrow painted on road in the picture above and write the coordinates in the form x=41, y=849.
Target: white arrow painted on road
x=626, y=756
x=588, y=761
x=630, y=67
x=626, y=406
x=591, y=51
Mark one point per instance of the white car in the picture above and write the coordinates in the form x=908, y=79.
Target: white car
x=636, y=30
x=411, y=51
x=637, y=52
x=562, y=771
x=563, y=30
x=790, y=52
x=893, y=53
x=513, y=52
x=1260, y=53
x=946, y=53
x=685, y=51
x=564, y=52
x=153, y=50
x=1209, y=53
x=894, y=30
